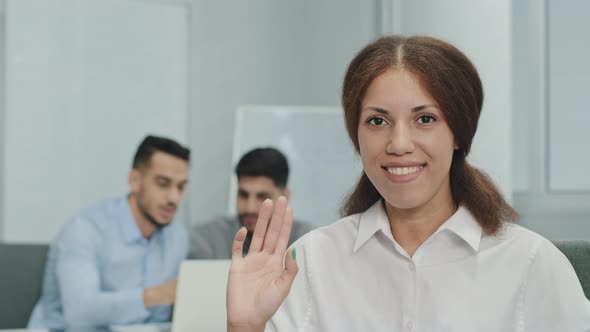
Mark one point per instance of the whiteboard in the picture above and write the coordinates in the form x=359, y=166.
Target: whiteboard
x=322, y=162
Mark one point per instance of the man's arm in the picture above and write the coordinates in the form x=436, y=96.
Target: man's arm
x=84, y=303
x=164, y=294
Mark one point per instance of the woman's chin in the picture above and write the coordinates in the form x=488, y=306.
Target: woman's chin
x=404, y=202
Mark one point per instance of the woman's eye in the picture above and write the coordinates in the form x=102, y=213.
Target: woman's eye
x=376, y=121
x=426, y=119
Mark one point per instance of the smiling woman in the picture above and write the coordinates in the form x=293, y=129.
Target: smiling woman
x=406, y=147
x=445, y=97
x=425, y=235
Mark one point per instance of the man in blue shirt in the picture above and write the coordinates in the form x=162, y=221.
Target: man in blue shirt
x=117, y=261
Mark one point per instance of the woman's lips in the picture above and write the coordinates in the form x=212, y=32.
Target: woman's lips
x=403, y=174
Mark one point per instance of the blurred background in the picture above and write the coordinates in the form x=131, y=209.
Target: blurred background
x=82, y=81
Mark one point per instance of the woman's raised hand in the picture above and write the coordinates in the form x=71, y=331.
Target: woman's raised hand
x=258, y=283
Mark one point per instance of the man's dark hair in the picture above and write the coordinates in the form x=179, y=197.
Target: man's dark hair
x=267, y=162
x=152, y=144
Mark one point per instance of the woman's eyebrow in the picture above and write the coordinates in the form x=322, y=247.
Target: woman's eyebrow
x=376, y=109
x=383, y=111
x=422, y=107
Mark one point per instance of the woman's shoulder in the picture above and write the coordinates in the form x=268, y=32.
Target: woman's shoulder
x=521, y=234
x=519, y=241
x=341, y=232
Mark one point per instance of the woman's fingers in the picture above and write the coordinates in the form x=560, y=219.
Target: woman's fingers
x=238, y=245
x=261, y=224
x=276, y=223
x=285, y=233
x=290, y=271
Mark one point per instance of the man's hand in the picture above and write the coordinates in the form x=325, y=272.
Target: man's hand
x=163, y=294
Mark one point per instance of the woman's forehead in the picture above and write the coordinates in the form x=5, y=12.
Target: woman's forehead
x=397, y=89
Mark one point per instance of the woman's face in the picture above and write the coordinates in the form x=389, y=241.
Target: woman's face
x=405, y=143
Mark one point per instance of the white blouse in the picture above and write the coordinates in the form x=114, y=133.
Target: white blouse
x=353, y=276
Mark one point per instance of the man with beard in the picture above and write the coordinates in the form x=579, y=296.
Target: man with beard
x=262, y=174
x=116, y=262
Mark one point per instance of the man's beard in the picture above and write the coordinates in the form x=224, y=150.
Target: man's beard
x=149, y=217
x=243, y=216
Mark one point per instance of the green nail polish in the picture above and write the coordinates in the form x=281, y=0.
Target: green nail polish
x=294, y=254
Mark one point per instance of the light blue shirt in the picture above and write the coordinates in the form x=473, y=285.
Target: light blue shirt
x=100, y=263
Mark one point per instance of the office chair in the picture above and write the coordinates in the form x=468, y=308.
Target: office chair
x=21, y=275
x=578, y=253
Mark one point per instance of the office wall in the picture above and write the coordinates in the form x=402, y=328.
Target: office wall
x=568, y=70
x=84, y=82
x=2, y=121
x=550, y=68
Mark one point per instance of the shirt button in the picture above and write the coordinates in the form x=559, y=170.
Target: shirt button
x=412, y=267
x=410, y=325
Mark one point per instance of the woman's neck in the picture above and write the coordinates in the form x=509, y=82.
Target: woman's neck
x=411, y=227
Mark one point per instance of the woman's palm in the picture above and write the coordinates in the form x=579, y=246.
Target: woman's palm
x=258, y=283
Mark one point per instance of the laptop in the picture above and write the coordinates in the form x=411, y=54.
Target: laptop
x=200, y=296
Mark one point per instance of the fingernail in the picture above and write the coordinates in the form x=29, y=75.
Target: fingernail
x=294, y=254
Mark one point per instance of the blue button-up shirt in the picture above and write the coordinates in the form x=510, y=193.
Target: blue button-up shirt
x=99, y=265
